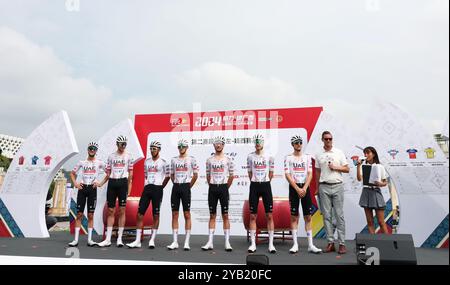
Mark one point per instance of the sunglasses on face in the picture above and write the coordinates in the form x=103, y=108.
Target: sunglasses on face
x=154, y=148
x=328, y=139
x=181, y=146
x=122, y=144
x=92, y=148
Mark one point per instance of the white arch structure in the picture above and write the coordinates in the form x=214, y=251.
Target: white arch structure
x=24, y=191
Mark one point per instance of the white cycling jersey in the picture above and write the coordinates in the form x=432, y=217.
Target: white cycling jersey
x=219, y=169
x=156, y=171
x=119, y=165
x=89, y=170
x=298, y=167
x=183, y=169
x=260, y=166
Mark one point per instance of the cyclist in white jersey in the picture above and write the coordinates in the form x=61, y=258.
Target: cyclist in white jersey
x=183, y=173
x=260, y=171
x=219, y=175
x=89, y=171
x=298, y=172
x=119, y=169
x=157, y=175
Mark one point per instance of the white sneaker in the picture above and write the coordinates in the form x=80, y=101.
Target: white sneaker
x=228, y=246
x=187, y=247
x=134, y=244
x=151, y=244
x=120, y=243
x=294, y=249
x=208, y=246
x=73, y=243
x=91, y=243
x=173, y=246
x=105, y=243
x=252, y=248
x=272, y=249
x=314, y=249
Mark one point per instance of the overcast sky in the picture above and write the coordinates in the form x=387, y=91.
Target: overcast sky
x=109, y=60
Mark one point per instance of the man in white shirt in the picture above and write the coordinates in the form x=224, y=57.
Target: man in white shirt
x=119, y=172
x=219, y=174
x=184, y=174
x=88, y=170
x=298, y=172
x=260, y=168
x=157, y=175
x=330, y=164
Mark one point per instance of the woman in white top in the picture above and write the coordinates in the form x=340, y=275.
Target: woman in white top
x=371, y=197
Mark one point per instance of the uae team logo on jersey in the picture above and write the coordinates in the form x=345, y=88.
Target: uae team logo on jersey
x=260, y=164
x=152, y=168
x=298, y=166
x=181, y=166
x=118, y=163
x=218, y=168
x=89, y=169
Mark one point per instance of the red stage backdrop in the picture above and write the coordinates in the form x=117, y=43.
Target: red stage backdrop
x=238, y=127
x=305, y=118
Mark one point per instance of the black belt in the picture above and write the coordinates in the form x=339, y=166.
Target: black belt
x=330, y=184
x=371, y=187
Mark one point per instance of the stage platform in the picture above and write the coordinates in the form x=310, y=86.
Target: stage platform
x=56, y=247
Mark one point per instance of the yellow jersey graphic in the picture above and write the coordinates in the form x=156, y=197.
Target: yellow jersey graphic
x=430, y=152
